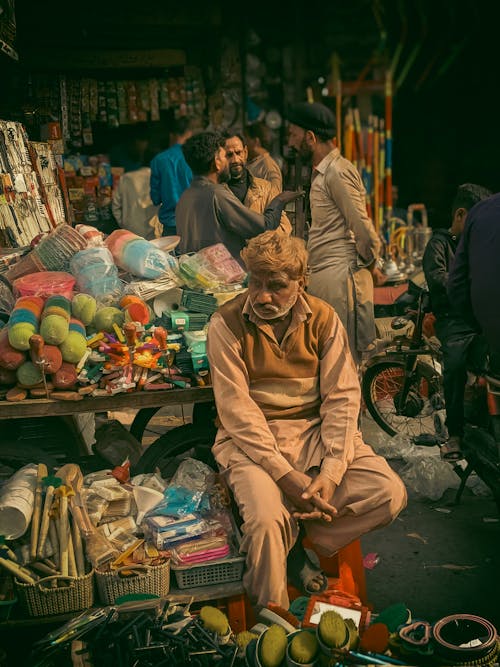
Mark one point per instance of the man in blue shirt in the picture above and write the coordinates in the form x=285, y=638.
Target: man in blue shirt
x=171, y=175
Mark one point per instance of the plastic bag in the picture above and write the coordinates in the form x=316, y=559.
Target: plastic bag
x=140, y=257
x=96, y=274
x=193, y=474
x=115, y=444
x=152, y=480
x=429, y=476
x=178, y=502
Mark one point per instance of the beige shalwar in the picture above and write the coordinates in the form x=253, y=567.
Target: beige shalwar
x=254, y=448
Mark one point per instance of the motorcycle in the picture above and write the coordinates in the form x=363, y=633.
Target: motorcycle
x=402, y=387
x=403, y=391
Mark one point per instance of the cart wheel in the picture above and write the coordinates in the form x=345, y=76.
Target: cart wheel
x=203, y=414
x=190, y=440
x=141, y=420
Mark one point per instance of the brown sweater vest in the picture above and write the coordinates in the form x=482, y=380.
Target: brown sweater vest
x=298, y=359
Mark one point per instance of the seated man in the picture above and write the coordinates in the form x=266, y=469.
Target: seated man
x=288, y=399
x=208, y=212
x=454, y=333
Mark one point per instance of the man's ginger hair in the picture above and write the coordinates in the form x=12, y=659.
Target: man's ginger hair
x=276, y=252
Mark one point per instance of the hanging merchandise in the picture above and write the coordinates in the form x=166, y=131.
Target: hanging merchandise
x=77, y=103
x=31, y=202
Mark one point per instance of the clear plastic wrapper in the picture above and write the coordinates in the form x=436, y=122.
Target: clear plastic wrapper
x=125, y=523
x=151, y=480
x=118, y=508
x=122, y=539
x=193, y=474
x=195, y=273
x=45, y=284
x=165, y=531
x=222, y=264
x=110, y=492
x=205, y=547
x=178, y=501
x=138, y=256
x=94, y=504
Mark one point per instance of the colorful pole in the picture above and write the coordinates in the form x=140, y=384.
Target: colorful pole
x=359, y=141
x=376, y=159
x=388, y=147
x=348, y=136
x=369, y=162
x=381, y=173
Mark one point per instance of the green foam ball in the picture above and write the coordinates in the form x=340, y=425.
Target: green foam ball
x=29, y=375
x=84, y=307
x=20, y=334
x=332, y=629
x=214, y=620
x=54, y=329
x=303, y=647
x=273, y=646
x=106, y=317
x=73, y=347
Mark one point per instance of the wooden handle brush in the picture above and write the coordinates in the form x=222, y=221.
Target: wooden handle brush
x=35, y=521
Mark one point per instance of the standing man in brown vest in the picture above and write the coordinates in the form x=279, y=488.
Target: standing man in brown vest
x=288, y=399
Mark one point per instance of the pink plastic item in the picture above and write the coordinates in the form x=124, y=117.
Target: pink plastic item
x=215, y=253
x=203, y=556
x=45, y=284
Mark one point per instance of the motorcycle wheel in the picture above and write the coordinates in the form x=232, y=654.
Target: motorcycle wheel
x=381, y=385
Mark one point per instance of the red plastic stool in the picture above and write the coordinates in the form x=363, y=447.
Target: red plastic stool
x=345, y=571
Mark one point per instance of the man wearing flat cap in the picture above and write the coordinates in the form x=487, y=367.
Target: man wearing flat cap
x=343, y=245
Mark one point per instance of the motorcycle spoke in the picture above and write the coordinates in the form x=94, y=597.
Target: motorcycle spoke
x=384, y=391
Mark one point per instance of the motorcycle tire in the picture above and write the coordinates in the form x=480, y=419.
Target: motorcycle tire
x=383, y=379
x=166, y=453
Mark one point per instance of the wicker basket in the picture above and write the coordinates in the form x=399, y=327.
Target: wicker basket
x=40, y=599
x=218, y=572
x=152, y=579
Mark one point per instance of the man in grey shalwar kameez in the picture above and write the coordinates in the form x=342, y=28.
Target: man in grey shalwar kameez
x=343, y=245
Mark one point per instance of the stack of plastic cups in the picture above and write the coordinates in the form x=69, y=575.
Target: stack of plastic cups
x=136, y=255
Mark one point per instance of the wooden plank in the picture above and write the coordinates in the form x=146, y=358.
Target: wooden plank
x=204, y=593
x=66, y=59
x=137, y=400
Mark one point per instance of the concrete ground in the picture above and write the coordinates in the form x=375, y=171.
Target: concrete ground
x=438, y=557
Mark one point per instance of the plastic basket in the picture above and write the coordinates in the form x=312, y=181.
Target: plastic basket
x=41, y=599
x=217, y=572
x=151, y=579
